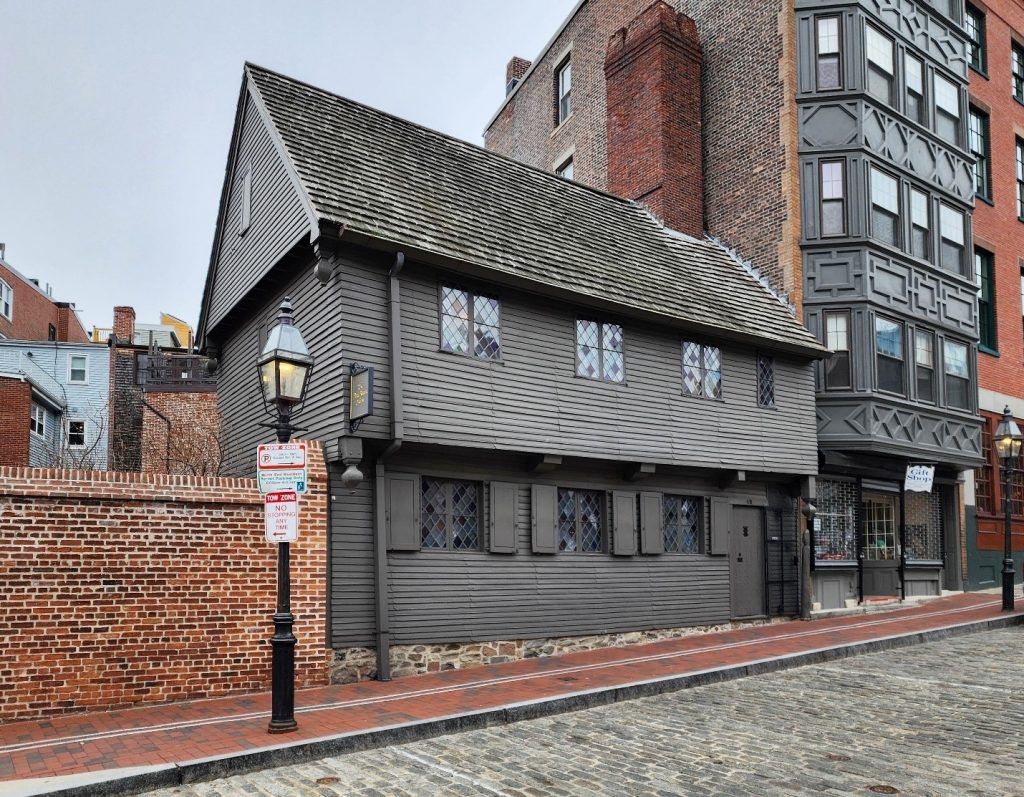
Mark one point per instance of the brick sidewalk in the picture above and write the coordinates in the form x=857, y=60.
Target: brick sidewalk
x=197, y=740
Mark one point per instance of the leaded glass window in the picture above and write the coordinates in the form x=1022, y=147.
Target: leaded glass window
x=580, y=521
x=702, y=370
x=889, y=355
x=958, y=375
x=765, y=381
x=599, y=351
x=947, y=109
x=833, y=198
x=885, y=207
x=829, y=69
x=682, y=521
x=978, y=139
x=449, y=514
x=470, y=324
x=880, y=65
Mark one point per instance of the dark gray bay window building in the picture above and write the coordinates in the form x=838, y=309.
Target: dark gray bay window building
x=892, y=157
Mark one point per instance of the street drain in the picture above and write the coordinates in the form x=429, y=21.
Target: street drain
x=837, y=757
x=884, y=789
x=328, y=781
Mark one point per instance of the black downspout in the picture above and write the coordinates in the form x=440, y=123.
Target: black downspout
x=380, y=547
x=861, y=542
x=903, y=545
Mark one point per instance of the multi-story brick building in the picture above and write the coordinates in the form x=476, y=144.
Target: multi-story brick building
x=28, y=311
x=834, y=155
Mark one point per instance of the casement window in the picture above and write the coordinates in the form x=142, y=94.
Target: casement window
x=880, y=71
x=980, y=145
x=6, y=301
x=246, y=210
x=924, y=365
x=449, y=514
x=914, y=69
x=833, y=198
x=829, y=70
x=958, y=374
x=1017, y=71
x=885, y=207
x=76, y=433
x=765, y=381
x=37, y=421
x=920, y=225
x=1020, y=179
x=599, y=351
x=563, y=91
x=951, y=232
x=566, y=170
x=78, y=369
x=580, y=521
x=983, y=272
x=683, y=523
x=838, y=374
x=470, y=324
x=974, y=26
x=889, y=359
x=947, y=110
x=702, y=370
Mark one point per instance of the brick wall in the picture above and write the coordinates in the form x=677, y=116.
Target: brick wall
x=181, y=433
x=15, y=408
x=122, y=589
x=125, y=412
x=33, y=312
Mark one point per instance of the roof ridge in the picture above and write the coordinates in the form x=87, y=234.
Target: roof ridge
x=782, y=297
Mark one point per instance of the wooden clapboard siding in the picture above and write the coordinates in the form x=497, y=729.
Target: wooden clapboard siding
x=353, y=617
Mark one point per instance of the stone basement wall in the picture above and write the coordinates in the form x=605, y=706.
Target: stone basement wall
x=359, y=664
x=124, y=588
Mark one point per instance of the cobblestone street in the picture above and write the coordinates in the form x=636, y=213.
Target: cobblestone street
x=945, y=718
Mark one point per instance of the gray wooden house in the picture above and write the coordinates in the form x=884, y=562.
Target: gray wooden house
x=583, y=423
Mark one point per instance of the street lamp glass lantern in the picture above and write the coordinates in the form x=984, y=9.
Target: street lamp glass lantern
x=1008, y=438
x=285, y=363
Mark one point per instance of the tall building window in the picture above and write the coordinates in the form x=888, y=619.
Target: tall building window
x=958, y=375
x=914, y=69
x=1020, y=179
x=974, y=25
x=829, y=61
x=563, y=89
x=983, y=270
x=837, y=338
x=599, y=351
x=1017, y=70
x=920, y=225
x=951, y=231
x=889, y=355
x=978, y=139
x=924, y=365
x=470, y=324
x=885, y=207
x=880, y=65
x=833, y=198
x=702, y=370
x=6, y=300
x=947, y=109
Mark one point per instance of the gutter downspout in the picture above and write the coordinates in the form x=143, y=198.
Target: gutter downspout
x=380, y=547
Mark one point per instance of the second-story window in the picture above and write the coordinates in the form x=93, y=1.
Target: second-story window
x=947, y=110
x=702, y=370
x=920, y=225
x=1020, y=179
x=880, y=65
x=37, y=421
x=563, y=91
x=958, y=375
x=885, y=207
x=829, y=69
x=924, y=365
x=6, y=301
x=765, y=381
x=983, y=273
x=837, y=338
x=833, y=198
x=974, y=25
x=951, y=231
x=76, y=434
x=470, y=324
x=914, y=69
x=1017, y=70
x=978, y=139
x=599, y=351
x=78, y=368
x=889, y=355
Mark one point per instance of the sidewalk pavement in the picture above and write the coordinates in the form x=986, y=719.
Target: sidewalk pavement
x=133, y=750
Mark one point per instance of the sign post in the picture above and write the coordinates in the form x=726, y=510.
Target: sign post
x=281, y=467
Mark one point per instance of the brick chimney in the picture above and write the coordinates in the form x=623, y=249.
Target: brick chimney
x=652, y=69
x=514, y=72
x=124, y=324
x=64, y=311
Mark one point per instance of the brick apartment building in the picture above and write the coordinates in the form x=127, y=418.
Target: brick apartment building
x=28, y=311
x=834, y=155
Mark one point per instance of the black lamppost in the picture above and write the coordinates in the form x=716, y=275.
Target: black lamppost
x=1008, y=441
x=284, y=367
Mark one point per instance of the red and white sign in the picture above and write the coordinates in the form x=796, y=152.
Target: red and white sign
x=279, y=456
x=281, y=515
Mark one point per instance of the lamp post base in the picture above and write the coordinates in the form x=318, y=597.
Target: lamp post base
x=1008, y=585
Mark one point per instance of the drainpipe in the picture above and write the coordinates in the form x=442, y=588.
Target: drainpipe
x=380, y=547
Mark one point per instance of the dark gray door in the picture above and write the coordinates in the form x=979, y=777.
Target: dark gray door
x=746, y=561
x=881, y=553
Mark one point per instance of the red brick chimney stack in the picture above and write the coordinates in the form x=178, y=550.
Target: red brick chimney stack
x=124, y=323
x=652, y=69
x=514, y=72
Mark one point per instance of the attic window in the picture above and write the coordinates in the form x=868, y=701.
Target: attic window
x=246, y=201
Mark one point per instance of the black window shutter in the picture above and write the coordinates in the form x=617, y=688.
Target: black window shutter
x=403, y=512
x=503, y=517
x=721, y=518
x=652, y=519
x=624, y=520
x=545, y=518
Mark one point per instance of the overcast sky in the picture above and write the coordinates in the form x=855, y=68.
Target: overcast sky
x=115, y=117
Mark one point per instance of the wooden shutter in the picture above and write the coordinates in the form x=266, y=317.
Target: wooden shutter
x=624, y=523
x=503, y=517
x=652, y=523
x=403, y=511
x=545, y=518
x=721, y=518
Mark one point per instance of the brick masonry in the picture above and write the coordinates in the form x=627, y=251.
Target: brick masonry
x=122, y=589
x=33, y=312
x=180, y=433
x=15, y=408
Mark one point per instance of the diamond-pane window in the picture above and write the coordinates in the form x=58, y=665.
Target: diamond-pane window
x=682, y=523
x=702, y=370
x=449, y=514
x=470, y=324
x=765, y=381
x=580, y=521
x=599, y=351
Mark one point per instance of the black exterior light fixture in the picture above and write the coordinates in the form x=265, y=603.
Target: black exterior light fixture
x=284, y=367
x=1008, y=441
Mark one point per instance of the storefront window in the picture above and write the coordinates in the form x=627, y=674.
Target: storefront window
x=923, y=512
x=835, y=525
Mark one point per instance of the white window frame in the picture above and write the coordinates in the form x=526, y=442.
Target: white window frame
x=71, y=369
x=35, y=419
x=567, y=170
x=563, y=90
x=6, y=300
x=85, y=432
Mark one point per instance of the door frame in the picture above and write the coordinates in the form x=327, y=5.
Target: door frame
x=882, y=487
x=759, y=505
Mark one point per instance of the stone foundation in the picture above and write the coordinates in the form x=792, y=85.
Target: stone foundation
x=360, y=664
